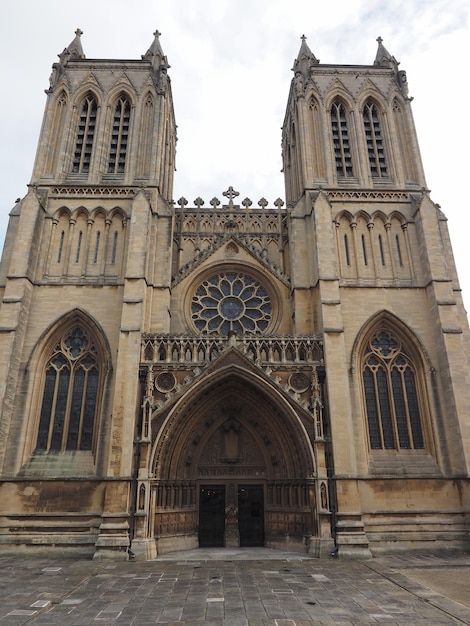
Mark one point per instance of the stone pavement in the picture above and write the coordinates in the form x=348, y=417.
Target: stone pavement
x=246, y=587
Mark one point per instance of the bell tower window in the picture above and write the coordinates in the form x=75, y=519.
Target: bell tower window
x=85, y=136
x=119, y=137
x=374, y=140
x=339, y=130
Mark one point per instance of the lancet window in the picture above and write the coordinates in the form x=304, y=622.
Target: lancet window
x=119, y=137
x=374, y=140
x=85, y=136
x=340, y=133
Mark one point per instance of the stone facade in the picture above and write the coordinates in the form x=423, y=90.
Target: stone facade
x=231, y=373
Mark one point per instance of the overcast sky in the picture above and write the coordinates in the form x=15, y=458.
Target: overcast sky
x=230, y=69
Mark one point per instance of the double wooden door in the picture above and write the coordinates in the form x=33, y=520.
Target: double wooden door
x=212, y=512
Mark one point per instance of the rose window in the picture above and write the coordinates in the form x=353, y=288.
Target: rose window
x=231, y=301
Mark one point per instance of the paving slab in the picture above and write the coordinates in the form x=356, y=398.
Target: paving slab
x=247, y=587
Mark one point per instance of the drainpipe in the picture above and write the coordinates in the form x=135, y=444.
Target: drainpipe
x=135, y=472
x=330, y=464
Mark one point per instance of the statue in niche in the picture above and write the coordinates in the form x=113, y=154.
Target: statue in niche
x=298, y=85
x=324, y=497
x=162, y=81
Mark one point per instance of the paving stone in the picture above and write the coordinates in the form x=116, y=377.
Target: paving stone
x=386, y=590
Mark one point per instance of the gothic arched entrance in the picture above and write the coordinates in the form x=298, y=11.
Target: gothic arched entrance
x=232, y=463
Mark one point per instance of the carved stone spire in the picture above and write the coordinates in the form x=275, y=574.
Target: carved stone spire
x=383, y=56
x=159, y=63
x=155, y=53
x=73, y=51
x=305, y=51
x=305, y=59
x=303, y=66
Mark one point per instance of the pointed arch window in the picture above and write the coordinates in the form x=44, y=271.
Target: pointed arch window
x=340, y=133
x=390, y=382
x=85, y=136
x=119, y=136
x=71, y=394
x=374, y=140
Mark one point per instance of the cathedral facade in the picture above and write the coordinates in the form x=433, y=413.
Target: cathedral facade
x=231, y=373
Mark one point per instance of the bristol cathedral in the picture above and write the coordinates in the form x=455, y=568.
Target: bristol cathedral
x=231, y=373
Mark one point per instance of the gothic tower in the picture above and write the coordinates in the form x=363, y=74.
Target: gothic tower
x=80, y=267
x=234, y=374
x=374, y=270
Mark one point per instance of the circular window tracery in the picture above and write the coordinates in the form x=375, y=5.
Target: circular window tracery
x=231, y=302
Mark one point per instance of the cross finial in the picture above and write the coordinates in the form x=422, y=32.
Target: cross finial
x=379, y=40
x=79, y=32
x=230, y=194
x=157, y=33
x=303, y=38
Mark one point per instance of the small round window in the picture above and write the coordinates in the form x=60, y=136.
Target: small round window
x=231, y=302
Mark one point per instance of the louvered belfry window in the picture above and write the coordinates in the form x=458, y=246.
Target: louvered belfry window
x=339, y=129
x=119, y=137
x=374, y=140
x=70, y=394
x=391, y=395
x=85, y=136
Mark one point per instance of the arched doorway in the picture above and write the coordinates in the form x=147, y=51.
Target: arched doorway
x=232, y=474
x=232, y=465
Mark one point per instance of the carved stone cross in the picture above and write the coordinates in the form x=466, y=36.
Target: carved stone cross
x=230, y=194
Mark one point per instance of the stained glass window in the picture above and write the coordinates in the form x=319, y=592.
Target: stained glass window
x=231, y=302
x=390, y=393
x=69, y=402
